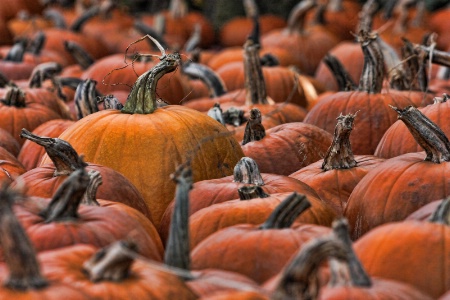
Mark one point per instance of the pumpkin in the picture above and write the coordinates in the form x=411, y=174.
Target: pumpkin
x=63, y=221
x=10, y=166
x=383, y=252
x=246, y=174
x=301, y=279
x=8, y=142
x=369, y=100
x=43, y=181
x=377, y=199
x=335, y=176
x=21, y=274
x=141, y=130
x=249, y=247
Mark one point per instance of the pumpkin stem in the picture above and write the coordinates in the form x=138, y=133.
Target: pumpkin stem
x=255, y=85
x=371, y=80
x=70, y=82
x=147, y=30
x=66, y=200
x=17, y=51
x=37, y=43
x=81, y=56
x=340, y=155
x=401, y=23
x=300, y=278
x=215, y=84
x=254, y=130
x=4, y=81
x=177, y=252
x=366, y=15
x=335, y=5
x=216, y=113
x=435, y=56
x=142, y=98
x=43, y=72
x=194, y=40
x=249, y=192
x=286, y=212
x=178, y=9
x=427, y=134
x=110, y=102
x=246, y=171
x=319, y=15
x=56, y=17
x=442, y=213
x=358, y=275
x=78, y=24
x=95, y=180
x=62, y=154
x=343, y=79
x=415, y=72
x=234, y=116
x=296, y=19
x=111, y=263
x=18, y=251
x=15, y=96
x=442, y=99
x=250, y=8
x=256, y=32
x=86, y=98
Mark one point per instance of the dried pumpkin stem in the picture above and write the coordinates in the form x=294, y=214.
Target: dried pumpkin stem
x=17, y=51
x=18, y=251
x=78, y=24
x=216, y=113
x=358, y=275
x=62, y=154
x=4, y=81
x=371, y=80
x=142, y=98
x=251, y=9
x=177, y=252
x=192, y=44
x=234, y=116
x=343, y=79
x=43, y=72
x=366, y=15
x=112, y=263
x=335, y=5
x=56, y=17
x=297, y=16
x=427, y=134
x=86, y=98
x=249, y=192
x=340, y=155
x=442, y=213
x=436, y=56
x=178, y=9
x=80, y=55
x=95, y=180
x=110, y=102
x=70, y=82
x=255, y=86
x=14, y=97
x=66, y=200
x=215, y=84
x=37, y=44
x=254, y=130
x=286, y=212
x=300, y=278
x=246, y=171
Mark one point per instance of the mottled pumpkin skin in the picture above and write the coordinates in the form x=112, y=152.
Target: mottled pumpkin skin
x=147, y=148
x=145, y=281
x=414, y=252
x=394, y=190
x=374, y=115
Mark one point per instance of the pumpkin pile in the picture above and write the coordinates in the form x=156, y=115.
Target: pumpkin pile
x=152, y=150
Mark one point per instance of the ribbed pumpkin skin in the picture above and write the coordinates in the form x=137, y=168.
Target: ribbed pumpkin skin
x=145, y=281
x=335, y=186
x=414, y=252
x=210, y=220
x=374, y=115
x=289, y=147
x=147, y=148
x=398, y=140
x=98, y=226
x=394, y=190
x=10, y=167
x=41, y=182
x=258, y=254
